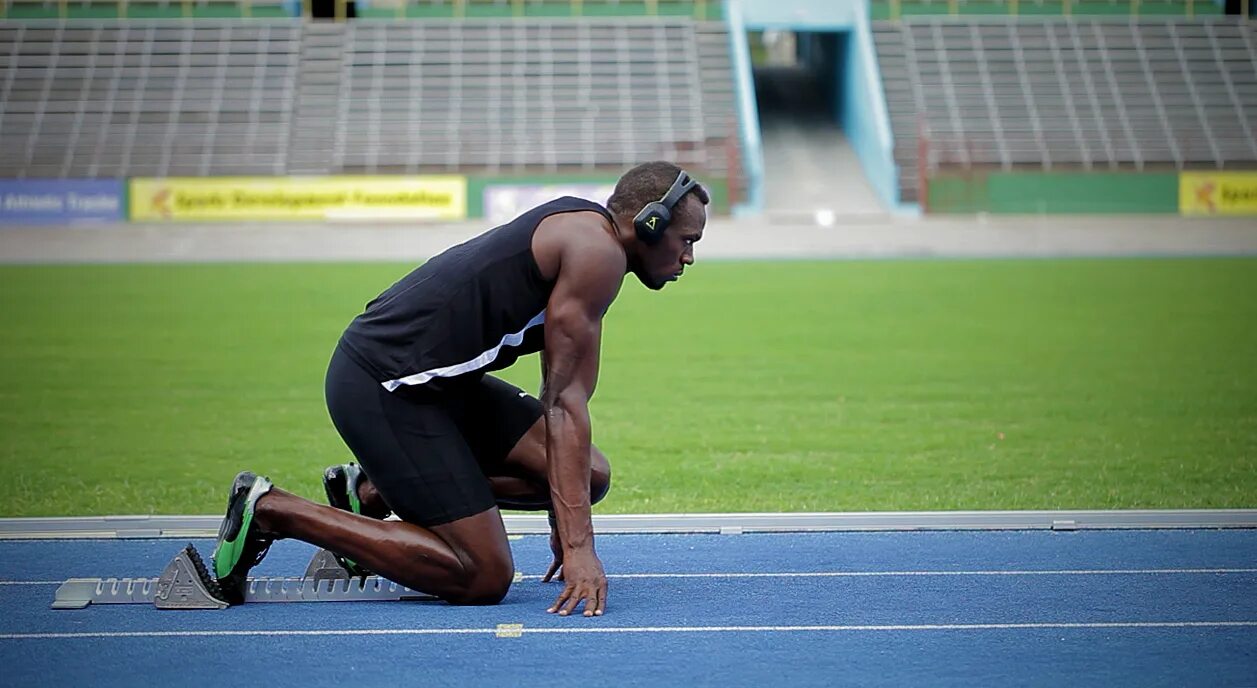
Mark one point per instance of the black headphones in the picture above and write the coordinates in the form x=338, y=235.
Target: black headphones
x=653, y=220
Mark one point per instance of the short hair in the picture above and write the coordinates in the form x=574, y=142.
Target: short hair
x=647, y=183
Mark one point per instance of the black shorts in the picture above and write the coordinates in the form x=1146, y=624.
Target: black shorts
x=426, y=451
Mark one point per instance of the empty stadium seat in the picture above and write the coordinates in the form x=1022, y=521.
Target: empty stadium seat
x=1006, y=93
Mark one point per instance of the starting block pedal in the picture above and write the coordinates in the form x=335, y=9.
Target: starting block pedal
x=186, y=583
x=323, y=566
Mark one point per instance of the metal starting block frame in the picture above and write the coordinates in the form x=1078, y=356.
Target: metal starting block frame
x=187, y=584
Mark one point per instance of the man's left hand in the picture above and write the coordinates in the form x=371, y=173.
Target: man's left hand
x=556, y=566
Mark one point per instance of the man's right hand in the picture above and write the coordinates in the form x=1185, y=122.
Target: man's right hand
x=583, y=579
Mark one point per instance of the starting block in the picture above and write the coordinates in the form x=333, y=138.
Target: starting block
x=186, y=583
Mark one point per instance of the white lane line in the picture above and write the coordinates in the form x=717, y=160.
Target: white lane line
x=874, y=574
x=636, y=629
x=871, y=574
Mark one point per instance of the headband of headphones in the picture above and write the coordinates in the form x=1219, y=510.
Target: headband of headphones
x=654, y=218
x=679, y=188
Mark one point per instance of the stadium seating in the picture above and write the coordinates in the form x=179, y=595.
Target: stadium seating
x=147, y=9
x=397, y=9
x=147, y=99
x=895, y=9
x=1080, y=93
x=385, y=9
x=524, y=94
x=283, y=97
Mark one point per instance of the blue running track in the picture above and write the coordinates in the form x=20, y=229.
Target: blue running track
x=1087, y=608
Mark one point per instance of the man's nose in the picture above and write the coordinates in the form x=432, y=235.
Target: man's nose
x=687, y=258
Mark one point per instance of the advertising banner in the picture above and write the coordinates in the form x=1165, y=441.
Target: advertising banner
x=505, y=202
x=61, y=201
x=299, y=198
x=1217, y=193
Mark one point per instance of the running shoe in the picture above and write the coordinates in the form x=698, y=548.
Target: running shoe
x=341, y=482
x=241, y=544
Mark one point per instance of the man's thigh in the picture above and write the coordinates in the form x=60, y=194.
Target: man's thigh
x=413, y=451
x=506, y=429
x=497, y=418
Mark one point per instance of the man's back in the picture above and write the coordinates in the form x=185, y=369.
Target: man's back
x=474, y=308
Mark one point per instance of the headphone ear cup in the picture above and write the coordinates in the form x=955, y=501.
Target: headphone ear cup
x=651, y=222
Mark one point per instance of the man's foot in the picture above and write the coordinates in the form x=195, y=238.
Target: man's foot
x=241, y=542
x=341, y=482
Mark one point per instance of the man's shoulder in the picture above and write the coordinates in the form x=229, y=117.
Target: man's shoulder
x=577, y=236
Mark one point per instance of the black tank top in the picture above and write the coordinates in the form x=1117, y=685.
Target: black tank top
x=473, y=309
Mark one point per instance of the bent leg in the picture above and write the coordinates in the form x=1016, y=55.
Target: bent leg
x=466, y=561
x=507, y=433
x=520, y=481
x=451, y=541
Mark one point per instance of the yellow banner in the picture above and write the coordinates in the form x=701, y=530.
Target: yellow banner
x=299, y=198
x=1217, y=193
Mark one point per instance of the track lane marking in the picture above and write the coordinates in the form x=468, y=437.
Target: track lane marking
x=640, y=629
x=864, y=574
x=891, y=574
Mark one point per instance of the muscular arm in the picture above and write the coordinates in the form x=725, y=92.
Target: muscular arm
x=590, y=272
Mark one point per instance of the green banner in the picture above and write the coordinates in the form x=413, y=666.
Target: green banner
x=1053, y=192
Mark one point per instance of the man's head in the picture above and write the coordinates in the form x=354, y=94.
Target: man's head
x=663, y=261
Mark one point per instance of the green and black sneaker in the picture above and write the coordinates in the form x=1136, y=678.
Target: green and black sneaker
x=241, y=544
x=341, y=482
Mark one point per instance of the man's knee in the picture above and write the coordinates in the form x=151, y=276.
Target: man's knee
x=486, y=582
x=599, y=479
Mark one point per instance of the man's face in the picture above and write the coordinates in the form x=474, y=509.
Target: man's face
x=665, y=261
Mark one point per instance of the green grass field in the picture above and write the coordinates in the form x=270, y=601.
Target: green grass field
x=753, y=386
